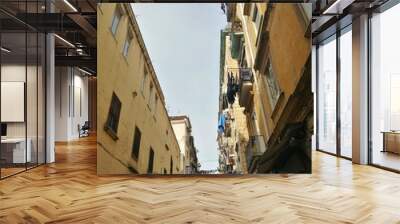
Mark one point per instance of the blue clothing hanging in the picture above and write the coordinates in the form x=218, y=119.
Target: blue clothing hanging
x=221, y=123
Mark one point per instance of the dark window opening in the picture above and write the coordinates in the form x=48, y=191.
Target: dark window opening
x=171, y=166
x=151, y=162
x=255, y=13
x=113, y=117
x=136, y=144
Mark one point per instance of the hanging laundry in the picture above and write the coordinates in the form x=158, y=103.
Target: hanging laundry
x=232, y=88
x=223, y=7
x=221, y=123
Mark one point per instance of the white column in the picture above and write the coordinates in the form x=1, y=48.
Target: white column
x=360, y=90
x=50, y=94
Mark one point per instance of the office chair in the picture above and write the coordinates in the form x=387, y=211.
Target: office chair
x=84, y=130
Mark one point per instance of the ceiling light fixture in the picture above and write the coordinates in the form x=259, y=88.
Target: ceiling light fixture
x=331, y=7
x=337, y=7
x=65, y=41
x=84, y=71
x=70, y=5
x=5, y=50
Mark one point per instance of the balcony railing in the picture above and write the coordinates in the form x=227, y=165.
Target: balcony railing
x=245, y=87
x=246, y=75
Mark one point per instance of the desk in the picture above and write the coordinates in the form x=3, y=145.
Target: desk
x=13, y=150
x=391, y=141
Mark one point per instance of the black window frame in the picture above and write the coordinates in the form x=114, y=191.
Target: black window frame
x=171, y=166
x=137, y=138
x=150, y=166
x=113, y=117
x=255, y=13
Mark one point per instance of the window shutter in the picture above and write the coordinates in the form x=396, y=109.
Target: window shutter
x=247, y=9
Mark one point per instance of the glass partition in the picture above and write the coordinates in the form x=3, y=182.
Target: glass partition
x=326, y=59
x=346, y=93
x=13, y=95
x=22, y=91
x=385, y=89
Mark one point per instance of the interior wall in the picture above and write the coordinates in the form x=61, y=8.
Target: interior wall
x=16, y=73
x=71, y=102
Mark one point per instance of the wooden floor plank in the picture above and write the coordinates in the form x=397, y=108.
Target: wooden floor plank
x=69, y=191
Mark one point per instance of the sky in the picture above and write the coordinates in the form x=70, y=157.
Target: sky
x=183, y=41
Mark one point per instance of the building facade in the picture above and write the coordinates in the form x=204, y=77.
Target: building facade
x=188, y=152
x=272, y=48
x=134, y=131
x=232, y=127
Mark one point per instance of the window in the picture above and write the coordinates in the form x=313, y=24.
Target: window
x=345, y=93
x=127, y=44
x=144, y=80
x=258, y=22
x=385, y=88
x=258, y=27
x=155, y=102
x=326, y=106
x=136, y=144
x=115, y=21
x=151, y=161
x=113, y=116
x=255, y=13
x=171, y=165
x=273, y=86
x=150, y=95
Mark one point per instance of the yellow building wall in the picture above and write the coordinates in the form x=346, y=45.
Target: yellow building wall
x=250, y=31
x=123, y=76
x=289, y=50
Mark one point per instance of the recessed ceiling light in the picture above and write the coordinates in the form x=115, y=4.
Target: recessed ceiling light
x=70, y=5
x=5, y=50
x=65, y=41
x=84, y=71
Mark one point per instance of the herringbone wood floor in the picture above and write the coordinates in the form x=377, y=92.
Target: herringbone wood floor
x=70, y=192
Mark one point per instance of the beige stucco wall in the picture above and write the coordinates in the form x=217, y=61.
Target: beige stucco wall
x=181, y=134
x=123, y=75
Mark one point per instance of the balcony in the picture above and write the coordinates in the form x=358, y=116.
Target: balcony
x=245, y=88
x=255, y=148
x=240, y=83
